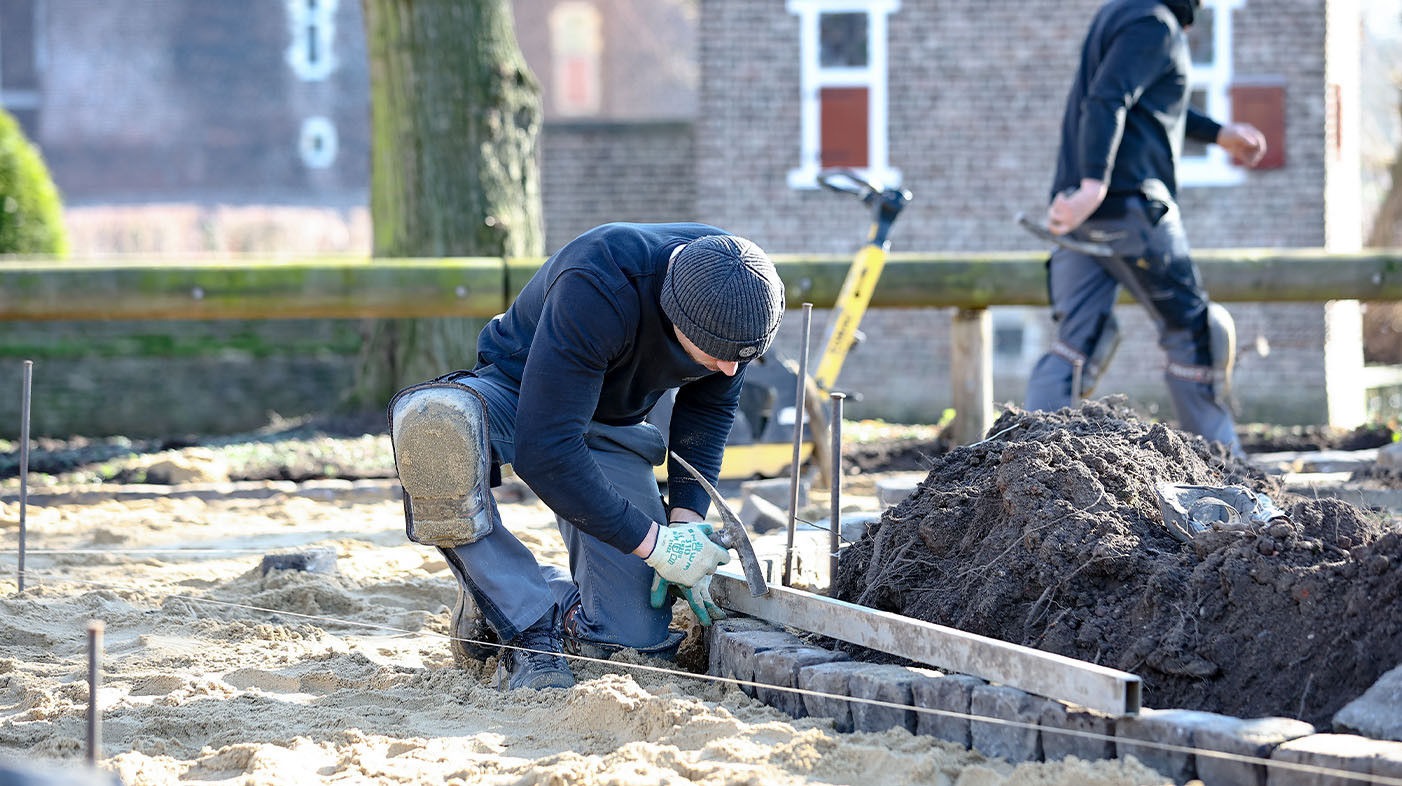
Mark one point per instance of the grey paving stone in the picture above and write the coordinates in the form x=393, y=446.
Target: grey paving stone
x=886, y=683
x=892, y=490
x=1389, y=759
x=1378, y=712
x=780, y=667
x=832, y=678
x=1168, y=727
x=761, y=515
x=951, y=693
x=1014, y=743
x=1256, y=737
x=1059, y=715
x=776, y=491
x=720, y=629
x=309, y=561
x=737, y=650
x=1348, y=752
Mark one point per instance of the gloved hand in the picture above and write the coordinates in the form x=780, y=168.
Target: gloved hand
x=697, y=596
x=684, y=552
x=685, y=556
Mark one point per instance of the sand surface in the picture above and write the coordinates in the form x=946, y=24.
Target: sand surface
x=216, y=674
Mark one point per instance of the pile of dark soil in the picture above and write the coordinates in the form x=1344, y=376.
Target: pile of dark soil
x=1378, y=476
x=1050, y=535
x=1268, y=438
x=897, y=455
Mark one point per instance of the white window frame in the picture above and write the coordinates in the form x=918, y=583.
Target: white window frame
x=576, y=30
x=1215, y=79
x=813, y=78
x=317, y=143
x=301, y=21
x=1030, y=321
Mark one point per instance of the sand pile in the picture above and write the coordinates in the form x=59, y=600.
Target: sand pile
x=1049, y=534
x=216, y=673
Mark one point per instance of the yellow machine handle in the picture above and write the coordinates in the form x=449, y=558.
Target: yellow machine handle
x=852, y=301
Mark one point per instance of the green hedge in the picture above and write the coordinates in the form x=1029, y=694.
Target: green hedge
x=31, y=212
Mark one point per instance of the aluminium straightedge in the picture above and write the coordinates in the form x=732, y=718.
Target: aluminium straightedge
x=1032, y=670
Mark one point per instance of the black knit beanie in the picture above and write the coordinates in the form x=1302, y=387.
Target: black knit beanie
x=724, y=295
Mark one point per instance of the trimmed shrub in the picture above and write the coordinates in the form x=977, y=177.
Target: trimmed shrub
x=31, y=213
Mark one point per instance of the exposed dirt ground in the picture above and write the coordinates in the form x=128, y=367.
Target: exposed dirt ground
x=1267, y=438
x=1050, y=535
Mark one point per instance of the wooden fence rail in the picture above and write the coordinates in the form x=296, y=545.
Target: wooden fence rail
x=259, y=288
x=262, y=288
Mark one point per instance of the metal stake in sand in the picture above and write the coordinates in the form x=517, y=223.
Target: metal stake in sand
x=95, y=628
x=835, y=521
x=800, y=401
x=24, y=461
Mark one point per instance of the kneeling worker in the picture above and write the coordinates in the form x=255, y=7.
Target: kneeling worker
x=563, y=382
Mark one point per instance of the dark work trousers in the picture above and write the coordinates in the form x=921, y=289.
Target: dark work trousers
x=1152, y=261
x=613, y=589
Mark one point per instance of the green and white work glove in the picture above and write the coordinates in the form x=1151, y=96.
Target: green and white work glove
x=684, y=558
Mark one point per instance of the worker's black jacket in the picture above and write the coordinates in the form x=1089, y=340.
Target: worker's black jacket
x=588, y=341
x=1128, y=112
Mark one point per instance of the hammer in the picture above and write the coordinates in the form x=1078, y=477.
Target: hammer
x=1091, y=248
x=732, y=534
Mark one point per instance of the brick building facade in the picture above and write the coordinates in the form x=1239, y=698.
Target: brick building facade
x=713, y=110
x=963, y=102
x=267, y=103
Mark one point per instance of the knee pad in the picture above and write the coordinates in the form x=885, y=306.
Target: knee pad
x=1221, y=332
x=1220, y=345
x=1088, y=366
x=443, y=455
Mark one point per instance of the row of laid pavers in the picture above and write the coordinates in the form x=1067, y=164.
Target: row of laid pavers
x=753, y=651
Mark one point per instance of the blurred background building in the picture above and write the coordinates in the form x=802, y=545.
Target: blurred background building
x=203, y=126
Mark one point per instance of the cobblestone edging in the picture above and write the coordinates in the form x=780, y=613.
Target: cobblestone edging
x=752, y=650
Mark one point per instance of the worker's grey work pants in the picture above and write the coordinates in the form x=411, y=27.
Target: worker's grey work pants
x=613, y=589
x=1152, y=261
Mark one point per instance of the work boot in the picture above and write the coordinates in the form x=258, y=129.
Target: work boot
x=472, y=636
x=577, y=644
x=538, y=664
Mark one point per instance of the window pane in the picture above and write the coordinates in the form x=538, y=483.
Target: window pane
x=843, y=129
x=17, y=67
x=1200, y=37
x=576, y=49
x=1197, y=99
x=843, y=40
x=1008, y=340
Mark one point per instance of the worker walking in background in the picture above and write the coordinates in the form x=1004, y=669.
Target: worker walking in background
x=1116, y=183
x=562, y=384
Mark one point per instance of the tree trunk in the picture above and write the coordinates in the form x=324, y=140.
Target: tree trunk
x=455, y=112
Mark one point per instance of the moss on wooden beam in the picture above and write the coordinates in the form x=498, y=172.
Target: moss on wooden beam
x=359, y=287
x=251, y=289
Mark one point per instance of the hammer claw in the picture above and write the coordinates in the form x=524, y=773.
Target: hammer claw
x=732, y=534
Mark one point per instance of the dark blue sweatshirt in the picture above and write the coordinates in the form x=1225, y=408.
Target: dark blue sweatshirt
x=587, y=340
x=1128, y=112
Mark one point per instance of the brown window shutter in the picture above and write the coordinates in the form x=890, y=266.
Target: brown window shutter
x=843, y=129
x=1263, y=105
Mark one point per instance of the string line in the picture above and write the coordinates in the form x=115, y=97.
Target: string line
x=1380, y=780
